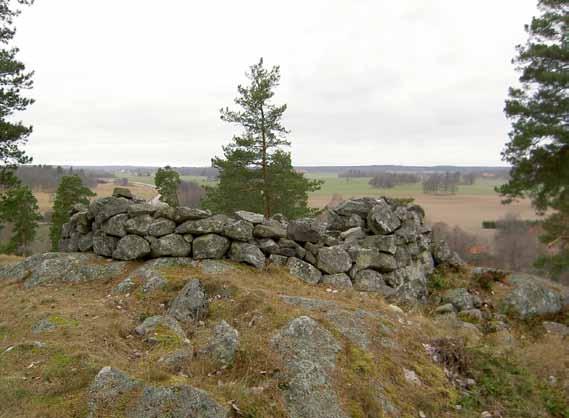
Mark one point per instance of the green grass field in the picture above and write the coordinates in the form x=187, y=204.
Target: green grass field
x=358, y=186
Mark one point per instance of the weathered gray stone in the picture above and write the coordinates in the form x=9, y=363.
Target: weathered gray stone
x=304, y=271
x=166, y=212
x=338, y=281
x=306, y=230
x=359, y=207
x=334, y=260
x=191, y=303
x=372, y=281
x=138, y=209
x=210, y=246
x=383, y=243
x=447, y=308
x=353, y=234
x=373, y=259
x=115, y=225
x=85, y=242
x=381, y=219
x=44, y=325
x=184, y=214
x=107, y=207
x=254, y=218
x=161, y=328
x=175, y=361
x=171, y=245
x=269, y=229
x=161, y=226
x=461, y=299
x=131, y=247
x=531, y=296
x=109, y=388
x=247, y=253
x=215, y=266
x=104, y=244
x=268, y=245
x=442, y=254
x=139, y=225
x=278, y=260
x=309, y=354
x=239, y=230
x=224, y=344
x=212, y=225
x=113, y=393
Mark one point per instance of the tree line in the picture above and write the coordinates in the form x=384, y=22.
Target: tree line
x=390, y=180
x=441, y=183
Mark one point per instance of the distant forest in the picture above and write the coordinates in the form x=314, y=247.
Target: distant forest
x=46, y=177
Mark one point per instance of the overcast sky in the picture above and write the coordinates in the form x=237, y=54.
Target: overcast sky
x=414, y=82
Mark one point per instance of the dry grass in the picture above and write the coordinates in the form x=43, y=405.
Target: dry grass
x=96, y=330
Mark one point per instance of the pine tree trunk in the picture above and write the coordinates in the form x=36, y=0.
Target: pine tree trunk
x=266, y=197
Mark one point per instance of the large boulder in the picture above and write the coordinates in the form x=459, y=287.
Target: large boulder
x=104, y=208
x=306, y=230
x=191, y=303
x=309, y=354
x=334, y=260
x=381, y=219
x=212, y=225
x=533, y=296
x=104, y=244
x=115, y=225
x=247, y=253
x=210, y=246
x=131, y=247
x=173, y=245
x=303, y=270
x=360, y=207
x=85, y=242
x=239, y=230
x=139, y=225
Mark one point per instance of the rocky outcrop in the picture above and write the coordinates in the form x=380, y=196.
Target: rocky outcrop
x=113, y=390
x=533, y=296
x=309, y=354
x=191, y=304
x=379, y=244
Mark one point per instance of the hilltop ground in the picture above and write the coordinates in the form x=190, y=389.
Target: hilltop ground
x=392, y=363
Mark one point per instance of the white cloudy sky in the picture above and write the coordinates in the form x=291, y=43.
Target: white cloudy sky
x=367, y=82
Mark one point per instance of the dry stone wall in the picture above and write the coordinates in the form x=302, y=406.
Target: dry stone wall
x=370, y=244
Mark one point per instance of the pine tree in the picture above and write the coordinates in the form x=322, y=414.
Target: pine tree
x=13, y=79
x=538, y=108
x=19, y=207
x=167, y=181
x=69, y=192
x=256, y=174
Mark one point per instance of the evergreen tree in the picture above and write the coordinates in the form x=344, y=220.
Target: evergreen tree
x=538, y=108
x=167, y=181
x=69, y=192
x=13, y=79
x=19, y=207
x=256, y=174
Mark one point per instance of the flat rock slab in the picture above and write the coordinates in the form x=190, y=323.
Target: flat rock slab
x=51, y=268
